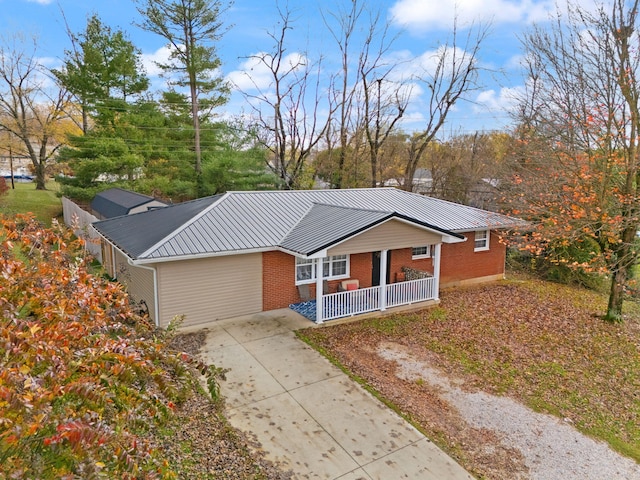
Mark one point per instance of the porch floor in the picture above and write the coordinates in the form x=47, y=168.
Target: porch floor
x=306, y=309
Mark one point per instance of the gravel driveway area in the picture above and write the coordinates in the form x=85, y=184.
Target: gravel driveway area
x=552, y=449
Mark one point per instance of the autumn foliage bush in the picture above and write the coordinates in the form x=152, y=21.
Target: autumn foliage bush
x=82, y=376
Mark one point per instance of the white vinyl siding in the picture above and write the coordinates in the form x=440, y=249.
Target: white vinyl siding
x=390, y=235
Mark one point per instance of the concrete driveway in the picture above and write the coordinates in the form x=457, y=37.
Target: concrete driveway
x=310, y=417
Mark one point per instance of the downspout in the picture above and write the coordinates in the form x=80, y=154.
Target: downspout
x=319, y=282
x=436, y=270
x=113, y=261
x=155, y=290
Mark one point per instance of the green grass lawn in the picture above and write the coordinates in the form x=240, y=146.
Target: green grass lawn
x=44, y=204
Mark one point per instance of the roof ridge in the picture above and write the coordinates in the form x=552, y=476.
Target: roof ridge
x=343, y=207
x=130, y=192
x=271, y=192
x=295, y=224
x=381, y=216
x=352, y=208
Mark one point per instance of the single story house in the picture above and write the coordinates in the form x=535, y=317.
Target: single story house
x=115, y=202
x=346, y=251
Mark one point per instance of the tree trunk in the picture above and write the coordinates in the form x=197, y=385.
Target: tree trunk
x=85, y=120
x=410, y=169
x=40, y=176
x=616, y=296
x=374, y=169
x=339, y=177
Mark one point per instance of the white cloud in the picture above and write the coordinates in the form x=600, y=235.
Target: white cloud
x=254, y=73
x=413, y=118
x=516, y=62
x=503, y=101
x=149, y=60
x=425, y=64
x=48, y=62
x=41, y=2
x=420, y=16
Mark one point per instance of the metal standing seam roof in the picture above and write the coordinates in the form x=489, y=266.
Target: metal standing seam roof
x=133, y=234
x=239, y=221
x=325, y=225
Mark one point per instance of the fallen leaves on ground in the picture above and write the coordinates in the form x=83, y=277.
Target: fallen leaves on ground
x=541, y=343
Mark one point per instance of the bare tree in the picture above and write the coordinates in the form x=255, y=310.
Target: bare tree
x=366, y=99
x=453, y=75
x=32, y=107
x=383, y=109
x=343, y=84
x=287, y=113
x=579, y=173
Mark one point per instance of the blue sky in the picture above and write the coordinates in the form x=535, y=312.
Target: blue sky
x=421, y=26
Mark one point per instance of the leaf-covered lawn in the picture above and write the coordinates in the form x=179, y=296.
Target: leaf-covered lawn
x=541, y=343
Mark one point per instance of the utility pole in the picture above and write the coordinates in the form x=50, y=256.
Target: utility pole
x=13, y=186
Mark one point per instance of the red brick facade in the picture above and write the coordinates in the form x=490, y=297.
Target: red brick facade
x=459, y=263
x=361, y=264
x=278, y=280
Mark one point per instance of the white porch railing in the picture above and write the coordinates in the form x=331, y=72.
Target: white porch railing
x=354, y=302
x=363, y=300
x=412, y=291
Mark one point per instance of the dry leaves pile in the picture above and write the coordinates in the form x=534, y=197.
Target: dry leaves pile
x=542, y=344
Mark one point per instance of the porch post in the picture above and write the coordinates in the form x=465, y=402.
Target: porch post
x=319, y=281
x=436, y=270
x=383, y=280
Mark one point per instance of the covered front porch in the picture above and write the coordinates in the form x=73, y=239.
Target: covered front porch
x=327, y=240
x=370, y=299
x=380, y=297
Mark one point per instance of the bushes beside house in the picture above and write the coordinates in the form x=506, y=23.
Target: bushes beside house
x=83, y=378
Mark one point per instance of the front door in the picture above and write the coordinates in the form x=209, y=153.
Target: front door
x=375, y=268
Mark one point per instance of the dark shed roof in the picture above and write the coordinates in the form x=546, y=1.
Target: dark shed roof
x=118, y=201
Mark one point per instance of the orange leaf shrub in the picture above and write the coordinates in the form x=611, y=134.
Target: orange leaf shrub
x=82, y=376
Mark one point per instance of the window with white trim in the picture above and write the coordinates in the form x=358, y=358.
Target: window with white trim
x=421, y=252
x=333, y=267
x=481, y=241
